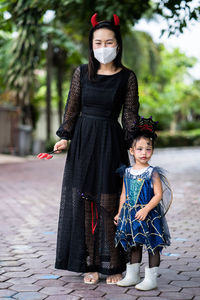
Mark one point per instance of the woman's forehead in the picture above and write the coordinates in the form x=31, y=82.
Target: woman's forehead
x=103, y=34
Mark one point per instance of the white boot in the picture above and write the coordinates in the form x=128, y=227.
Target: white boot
x=132, y=275
x=150, y=280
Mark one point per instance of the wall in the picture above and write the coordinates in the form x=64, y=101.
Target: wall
x=9, y=118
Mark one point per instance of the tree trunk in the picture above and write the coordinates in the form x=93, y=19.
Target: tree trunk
x=59, y=62
x=48, y=91
x=60, y=97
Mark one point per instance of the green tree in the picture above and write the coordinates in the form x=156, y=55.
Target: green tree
x=164, y=95
x=27, y=19
x=5, y=44
x=141, y=54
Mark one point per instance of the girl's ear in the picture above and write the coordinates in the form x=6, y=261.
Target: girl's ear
x=131, y=150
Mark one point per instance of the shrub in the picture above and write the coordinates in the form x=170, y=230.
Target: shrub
x=178, y=139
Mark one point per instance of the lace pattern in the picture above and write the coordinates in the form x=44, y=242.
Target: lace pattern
x=72, y=109
x=97, y=149
x=131, y=104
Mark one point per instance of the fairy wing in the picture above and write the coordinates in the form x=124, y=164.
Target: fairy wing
x=167, y=198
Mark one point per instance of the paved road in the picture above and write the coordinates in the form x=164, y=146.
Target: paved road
x=29, y=195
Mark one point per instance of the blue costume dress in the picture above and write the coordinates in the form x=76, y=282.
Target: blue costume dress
x=153, y=232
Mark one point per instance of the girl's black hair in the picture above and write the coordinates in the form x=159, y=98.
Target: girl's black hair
x=93, y=64
x=145, y=135
x=142, y=127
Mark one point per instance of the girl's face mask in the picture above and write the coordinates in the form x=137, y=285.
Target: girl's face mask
x=105, y=54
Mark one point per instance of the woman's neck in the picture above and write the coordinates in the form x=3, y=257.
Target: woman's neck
x=108, y=69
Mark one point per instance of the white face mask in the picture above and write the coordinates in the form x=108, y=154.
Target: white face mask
x=106, y=54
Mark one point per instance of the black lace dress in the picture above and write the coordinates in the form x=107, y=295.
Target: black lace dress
x=91, y=188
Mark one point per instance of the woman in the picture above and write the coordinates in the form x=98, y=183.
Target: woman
x=91, y=187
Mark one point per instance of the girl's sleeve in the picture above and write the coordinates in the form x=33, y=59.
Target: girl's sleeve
x=72, y=108
x=121, y=170
x=131, y=104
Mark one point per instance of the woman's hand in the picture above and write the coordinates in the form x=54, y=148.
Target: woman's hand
x=61, y=145
x=116, y=219
x=141, y=214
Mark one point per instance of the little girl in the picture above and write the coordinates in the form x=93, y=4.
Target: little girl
x=144, y=200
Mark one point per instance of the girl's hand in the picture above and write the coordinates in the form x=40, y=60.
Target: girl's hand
x=116, y=219
x=141, y=214
x=61, y=145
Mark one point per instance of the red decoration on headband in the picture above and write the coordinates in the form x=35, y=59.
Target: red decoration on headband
x=146, y=127
x=116, y=19
x=94, y=20
x=95, y=23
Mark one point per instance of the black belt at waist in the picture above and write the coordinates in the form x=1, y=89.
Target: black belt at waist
x=98, y=117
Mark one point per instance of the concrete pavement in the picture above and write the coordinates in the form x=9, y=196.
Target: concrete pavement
x=30, y=196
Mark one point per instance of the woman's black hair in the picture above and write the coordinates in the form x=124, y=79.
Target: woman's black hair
x=93, y=64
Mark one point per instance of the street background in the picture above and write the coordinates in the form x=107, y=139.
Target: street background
x=30, y=196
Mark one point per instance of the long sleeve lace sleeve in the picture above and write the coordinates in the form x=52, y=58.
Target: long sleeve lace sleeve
x=131, y=105
x=72, y=108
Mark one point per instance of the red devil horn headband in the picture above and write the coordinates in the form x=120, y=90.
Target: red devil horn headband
x=116, y=20
x=94, y=20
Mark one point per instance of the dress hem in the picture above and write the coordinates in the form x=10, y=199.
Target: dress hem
x=92, y=269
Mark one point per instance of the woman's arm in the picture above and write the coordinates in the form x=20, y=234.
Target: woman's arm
x=131, y=104
x=157, y=187
x=72, y=108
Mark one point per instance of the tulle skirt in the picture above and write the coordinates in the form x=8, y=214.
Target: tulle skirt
x=153, y=232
